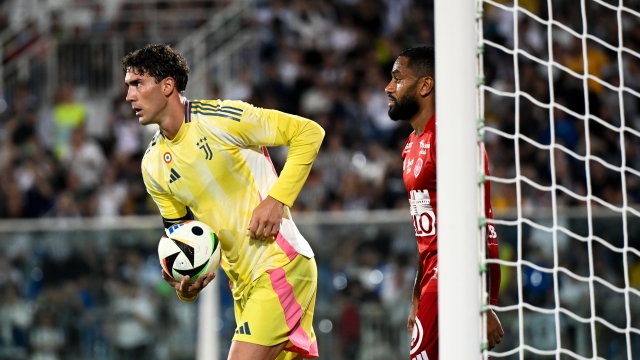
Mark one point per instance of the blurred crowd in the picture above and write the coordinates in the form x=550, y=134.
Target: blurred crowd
x=56, y=164
x=329, y=60
x=89, y=301
x=608, y=134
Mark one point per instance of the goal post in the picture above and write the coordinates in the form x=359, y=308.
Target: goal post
x=459, y=290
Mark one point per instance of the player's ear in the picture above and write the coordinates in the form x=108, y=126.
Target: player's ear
x=426, y=86
x=168, y=85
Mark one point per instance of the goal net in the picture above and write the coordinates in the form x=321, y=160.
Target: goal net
x=559, y=102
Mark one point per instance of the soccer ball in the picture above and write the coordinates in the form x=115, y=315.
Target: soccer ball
x=189, y=248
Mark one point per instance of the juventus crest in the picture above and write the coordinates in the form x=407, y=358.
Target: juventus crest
x=204, y=145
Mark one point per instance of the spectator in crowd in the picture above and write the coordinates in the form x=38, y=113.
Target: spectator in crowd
x=16, y=317
x=131, y=322
x=68, y=114
x=46, y=339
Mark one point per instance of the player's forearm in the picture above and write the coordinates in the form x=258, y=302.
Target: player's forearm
x=303, y=149
x=170, y=222
x=494, y=283
x=416, y=285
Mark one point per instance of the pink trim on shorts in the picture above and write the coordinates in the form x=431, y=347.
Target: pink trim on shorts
x=313, y=351
x=286, y=246
x=292, y=313
x=300, y=341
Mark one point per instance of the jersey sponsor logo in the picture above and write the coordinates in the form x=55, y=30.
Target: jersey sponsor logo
x=167, y=157
x=424, y=147
x=407, y=147
x=417, y=168
x=174, y=176
x=416, y=337
x=424, y=218
x=243, y=329
x=408, y=163
x=204, y=145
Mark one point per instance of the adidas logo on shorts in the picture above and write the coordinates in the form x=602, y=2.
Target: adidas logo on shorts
x=243, y=329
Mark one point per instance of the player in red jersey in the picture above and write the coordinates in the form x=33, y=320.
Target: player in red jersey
x=411, y=94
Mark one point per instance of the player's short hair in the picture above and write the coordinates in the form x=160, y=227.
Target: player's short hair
x=422, y=60
x=159, y=62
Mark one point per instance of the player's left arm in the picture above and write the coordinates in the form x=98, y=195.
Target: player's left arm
x=304, y=138
x=266, y=127
x=494, y=328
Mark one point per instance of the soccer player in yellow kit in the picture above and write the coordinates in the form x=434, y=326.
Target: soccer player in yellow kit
x=209, y=161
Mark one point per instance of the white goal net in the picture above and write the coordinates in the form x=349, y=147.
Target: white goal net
x=560, y=104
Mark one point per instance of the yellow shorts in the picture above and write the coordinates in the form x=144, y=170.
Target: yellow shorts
x=278, y=307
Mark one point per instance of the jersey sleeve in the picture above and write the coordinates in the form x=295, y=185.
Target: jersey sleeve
x=492, y=239
x=265, y=127
x=168, y=206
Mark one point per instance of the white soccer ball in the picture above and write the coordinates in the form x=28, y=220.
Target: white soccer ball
x=189, y=248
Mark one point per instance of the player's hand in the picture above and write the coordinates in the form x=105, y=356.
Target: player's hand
x=412, y=317
x=186, y=290
x=494, y=329
x=266, y=219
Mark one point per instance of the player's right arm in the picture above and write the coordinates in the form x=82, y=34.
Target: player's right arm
x=172, y=211
x=415, y=298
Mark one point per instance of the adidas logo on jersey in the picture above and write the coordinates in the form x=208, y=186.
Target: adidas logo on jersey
x=243, y=329
x=174, y=176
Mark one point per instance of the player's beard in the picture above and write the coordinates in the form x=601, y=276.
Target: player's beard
x=405, y=107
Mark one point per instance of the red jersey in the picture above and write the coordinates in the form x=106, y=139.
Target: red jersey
x=419, y=173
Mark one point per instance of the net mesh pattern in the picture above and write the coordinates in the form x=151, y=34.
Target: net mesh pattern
x=559, y=113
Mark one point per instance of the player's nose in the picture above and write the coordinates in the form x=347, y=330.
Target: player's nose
x=130, y=95
x=389, y=88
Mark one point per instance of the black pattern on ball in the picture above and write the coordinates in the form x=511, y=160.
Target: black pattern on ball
x=188, y=251
x=197, y=230
x=192, y=272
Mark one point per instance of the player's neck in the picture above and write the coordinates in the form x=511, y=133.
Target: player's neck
x=421, y=118
x=173, y=118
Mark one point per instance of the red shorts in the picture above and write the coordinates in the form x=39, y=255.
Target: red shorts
x=424, y=340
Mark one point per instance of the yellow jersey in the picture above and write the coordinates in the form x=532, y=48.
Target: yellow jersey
x=219, y=167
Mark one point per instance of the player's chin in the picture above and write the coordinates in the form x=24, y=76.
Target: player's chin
x=143, y=120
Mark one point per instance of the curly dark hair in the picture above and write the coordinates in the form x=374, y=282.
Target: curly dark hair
x=422, y=60
x=159, y=62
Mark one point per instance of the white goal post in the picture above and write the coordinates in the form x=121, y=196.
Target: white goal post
x=459, y=290
x=589, y=307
